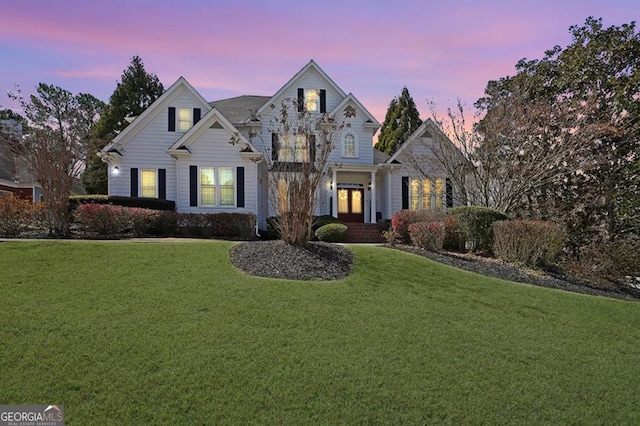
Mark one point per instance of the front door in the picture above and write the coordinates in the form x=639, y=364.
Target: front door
x=350, y=205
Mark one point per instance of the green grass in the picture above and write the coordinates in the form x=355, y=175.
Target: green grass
x=172, y=333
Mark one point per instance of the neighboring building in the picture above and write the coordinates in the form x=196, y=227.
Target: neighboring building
x=178, y=149
x=15, y=175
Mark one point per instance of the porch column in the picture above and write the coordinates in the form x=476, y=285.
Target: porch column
x=372, y=215
x=334, y=193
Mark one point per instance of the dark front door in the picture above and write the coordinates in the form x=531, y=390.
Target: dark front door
x=351, y=205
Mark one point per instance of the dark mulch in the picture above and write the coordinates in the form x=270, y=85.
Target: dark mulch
x=506, y=271
x=275, y=259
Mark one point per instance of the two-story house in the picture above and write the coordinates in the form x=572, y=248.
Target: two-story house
x=179, y=149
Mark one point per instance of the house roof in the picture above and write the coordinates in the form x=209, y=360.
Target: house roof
x=294, y=81
x=427, y=126
x=350, y=98
x=240, y=109
x=380, y=157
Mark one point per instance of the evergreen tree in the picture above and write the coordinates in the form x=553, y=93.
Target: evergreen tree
x=134, y=93
x=401, y=121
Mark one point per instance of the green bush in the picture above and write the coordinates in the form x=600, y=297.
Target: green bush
x=474, y=227
x=529, y=242
x=332, y=233
x=116, y=200
x=428, y=235
x=320, y=221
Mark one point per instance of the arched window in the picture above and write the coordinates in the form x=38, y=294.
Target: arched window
x=349, y=145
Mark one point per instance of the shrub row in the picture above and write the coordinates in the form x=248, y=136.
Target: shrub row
x=106, y=219
x=116, y=200
x=17, y=214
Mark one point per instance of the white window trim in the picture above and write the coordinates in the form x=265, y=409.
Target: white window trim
x=155, y=171
x=218, y=186
x=356, y=150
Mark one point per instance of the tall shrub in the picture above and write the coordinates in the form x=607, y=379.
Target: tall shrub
x=530, y=242
x=15, y=215
x=428, y=235
x=475, y=231
x=401, y=220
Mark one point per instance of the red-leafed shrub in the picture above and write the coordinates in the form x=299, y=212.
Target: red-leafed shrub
x=428, y=235
x=226, y=225
x=530, y=242
x=103, y=219
x=401, y=220
x=16, y=214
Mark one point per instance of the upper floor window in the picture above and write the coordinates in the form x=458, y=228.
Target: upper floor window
x=184, y=119
x=349, y=145
x=293, y=148
x=312, y=100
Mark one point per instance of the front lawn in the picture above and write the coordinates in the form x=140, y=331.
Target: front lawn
x=172, y=333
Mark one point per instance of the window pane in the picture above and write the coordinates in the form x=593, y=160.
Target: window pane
x=226, y=186
x=343, y=201
x=286, y=148
x=414, y=194
x=148, y=183
x=311, y=100
x=356, y=202
x=208, y=196
x=226, y=176
x=349, y=146
x=439, y=192
x=301, y=151
x=226, y=196
x=184, y=119
x=426, y=194
x=207, y=176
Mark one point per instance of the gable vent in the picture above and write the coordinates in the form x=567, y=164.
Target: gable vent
x=216, y=125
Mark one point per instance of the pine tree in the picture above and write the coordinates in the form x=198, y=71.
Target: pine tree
x=134, y=93
x=401, y=121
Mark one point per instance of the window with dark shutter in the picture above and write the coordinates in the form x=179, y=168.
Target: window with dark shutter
x=172, y=119
x=240, y=186
x=300, y=100
x=196, y=115
x=323, y=100
x=275, y=147
x=134, y=182
x=162, y=184
x=405, y=192
x=193, y=186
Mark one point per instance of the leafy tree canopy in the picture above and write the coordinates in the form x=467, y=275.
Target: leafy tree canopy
x=401, y=121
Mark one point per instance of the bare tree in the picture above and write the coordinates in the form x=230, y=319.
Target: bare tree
x=301, y=143
x=54, y=144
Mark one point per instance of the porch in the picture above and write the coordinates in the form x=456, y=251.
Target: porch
x=353, y=193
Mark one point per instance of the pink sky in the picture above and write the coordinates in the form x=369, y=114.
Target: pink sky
x=439, y=50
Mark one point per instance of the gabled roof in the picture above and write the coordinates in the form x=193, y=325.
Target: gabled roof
x=213, y=116
x=350, y=98
x=427, y=126
x=292, y=83
x=143, y=119
x=240, y=109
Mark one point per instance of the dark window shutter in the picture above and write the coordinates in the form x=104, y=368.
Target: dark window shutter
x=449, y=191
x=172, y=119
x=300, y=100
x=275, y=147
x=196, y=115
x=162, y=184
x=134, y=182
x=405, y=192
x=193, y=186
x=312, y=148
x=240, y=186
x=323, y=100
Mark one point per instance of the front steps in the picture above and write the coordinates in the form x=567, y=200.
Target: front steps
x=364, y=233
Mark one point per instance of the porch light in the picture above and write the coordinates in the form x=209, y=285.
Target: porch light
x=115, y=171
x=369, y=187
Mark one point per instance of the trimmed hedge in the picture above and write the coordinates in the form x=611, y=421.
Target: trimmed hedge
x=103, y=219
x=474, y=228
x=227, y=225
x=332, y=233
x=116, y=200
x=401, y=220
x=530, y=242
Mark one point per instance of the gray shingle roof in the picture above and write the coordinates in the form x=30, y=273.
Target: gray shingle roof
x=241, y=108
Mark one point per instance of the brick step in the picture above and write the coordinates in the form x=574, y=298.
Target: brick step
x=364, y=233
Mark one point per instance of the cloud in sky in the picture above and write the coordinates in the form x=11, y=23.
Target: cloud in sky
x=439, y=50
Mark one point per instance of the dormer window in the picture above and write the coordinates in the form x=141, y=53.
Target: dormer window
x=184, y=119
x=312, y=100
